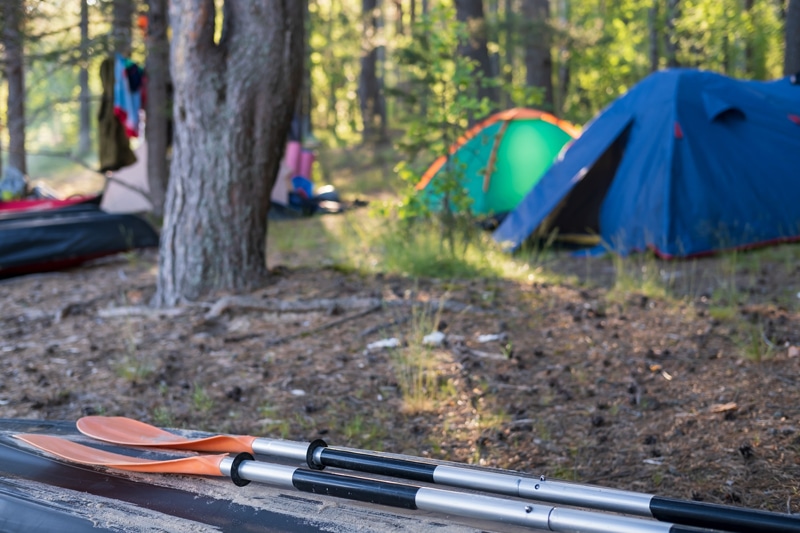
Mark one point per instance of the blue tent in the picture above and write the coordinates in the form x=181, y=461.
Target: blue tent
x=686, y=163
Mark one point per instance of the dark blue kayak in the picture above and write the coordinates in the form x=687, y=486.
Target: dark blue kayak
x=43, y=240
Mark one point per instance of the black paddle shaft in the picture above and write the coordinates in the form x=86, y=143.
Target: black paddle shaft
x=690, y=513
x=722, y=517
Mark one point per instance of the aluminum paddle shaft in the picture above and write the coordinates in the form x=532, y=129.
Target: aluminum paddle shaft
x=474, y=506
x=691, y=513
x=317, y=455
x=242, y=469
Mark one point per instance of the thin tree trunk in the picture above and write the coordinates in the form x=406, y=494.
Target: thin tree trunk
x=400, y=27
x=381, y=75
x=652, y=25
x=470, y=12
x=333, y=116
x=493, y=36
x=159, y=104
x=85, y=113
x=15, y=74
x=510, y=47
x=121, y=26
x=563, y=58
x=671, y=39
x=791, y=64
x=369, y=89
x=538, y=58
x=233, y=107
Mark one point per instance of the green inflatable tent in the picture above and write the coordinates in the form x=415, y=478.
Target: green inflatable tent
x=504, y=156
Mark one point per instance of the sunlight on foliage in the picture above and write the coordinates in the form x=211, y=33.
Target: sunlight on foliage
x=421, y=371
x=637, y=274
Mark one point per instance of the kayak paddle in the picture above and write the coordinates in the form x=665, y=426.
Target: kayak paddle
x=129, y=432
x=242, y=469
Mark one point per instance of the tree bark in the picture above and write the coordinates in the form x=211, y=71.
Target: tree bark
x=373, y=112
x=493, y=36
x=85, y=113
x=510, y=26
x=470, y=12
x=122, y=25
x=538, y=58
x=652, y=26
x=15, y=74
x=671, y=38
x=791, y=64
x=233, y=107
x=563, y=58
x=158, y=105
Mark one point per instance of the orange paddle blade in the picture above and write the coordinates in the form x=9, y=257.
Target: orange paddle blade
x=128, y=432
x=203, y=465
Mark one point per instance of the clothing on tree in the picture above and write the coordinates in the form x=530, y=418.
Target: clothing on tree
x=127, y=94
x=114, y=146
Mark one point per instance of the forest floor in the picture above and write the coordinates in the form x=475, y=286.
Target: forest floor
x=680, y=379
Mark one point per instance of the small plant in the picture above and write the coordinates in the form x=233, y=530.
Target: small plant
x=163, y=417
x=270, y=424
x=637, y=274
x=419, y=369
x=134, y=368
x=754, y=344
x=723, y=313
x=565, y=473
x=201, y=401
x=363, y=432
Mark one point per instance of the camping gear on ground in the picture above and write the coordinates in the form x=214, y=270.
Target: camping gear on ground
x=13, y=185
x=306, y=163
x=52, y=235
x=499, y=159
x=129, y=432
x=686, y=163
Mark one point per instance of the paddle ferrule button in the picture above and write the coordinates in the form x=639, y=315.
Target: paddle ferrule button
x=238, y=480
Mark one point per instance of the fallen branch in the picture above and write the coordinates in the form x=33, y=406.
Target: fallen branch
x=323, y=327
x=118, y=312
x=329, y=305
x=385, y=325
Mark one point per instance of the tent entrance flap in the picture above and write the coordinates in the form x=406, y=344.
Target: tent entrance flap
x=576, y=219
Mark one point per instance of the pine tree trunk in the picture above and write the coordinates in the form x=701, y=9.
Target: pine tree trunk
x=373, y=114
x=791, y=64
x=652, y=26
x=85, y=113
x=121, y=26
x=233, y=106
x=563, y=58
x=159, y=104
x=492, y=36
x=510, y=26
x=15, y=74
x=671, y=38
x=538, y=59
x=470, y=12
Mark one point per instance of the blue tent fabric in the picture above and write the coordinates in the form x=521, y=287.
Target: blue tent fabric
x=703, y=162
